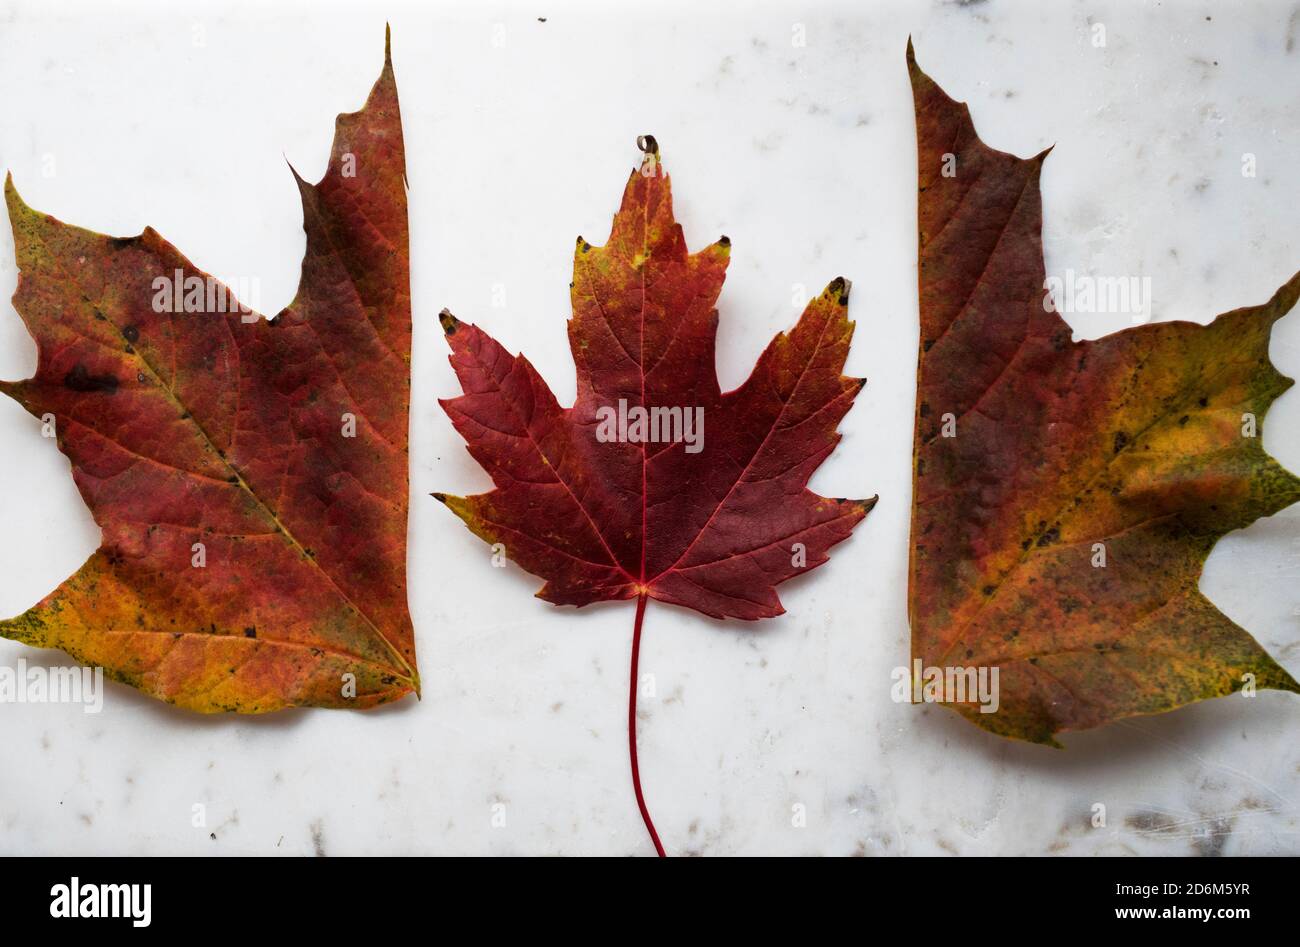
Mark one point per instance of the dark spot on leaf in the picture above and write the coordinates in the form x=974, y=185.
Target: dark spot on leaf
x=131, y=333
x=1120, y=440
x=79, y=379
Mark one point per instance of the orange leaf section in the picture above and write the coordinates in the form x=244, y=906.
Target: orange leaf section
x=249, y=476
x=1060, y=533
x=713, y=523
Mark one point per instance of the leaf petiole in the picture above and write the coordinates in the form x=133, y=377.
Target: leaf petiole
x=631, y=728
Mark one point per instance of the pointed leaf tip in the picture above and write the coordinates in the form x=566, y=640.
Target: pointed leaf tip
x=13, y=199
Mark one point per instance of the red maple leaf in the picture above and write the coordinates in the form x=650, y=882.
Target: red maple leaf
x=656, y=484
x=249, y=475
x=1067, y=493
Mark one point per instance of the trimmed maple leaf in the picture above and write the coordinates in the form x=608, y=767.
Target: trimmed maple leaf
x=1066, y=494
x=249, y=476
x=713, y=512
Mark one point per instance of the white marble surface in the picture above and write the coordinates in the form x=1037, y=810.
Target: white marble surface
x=805, y=157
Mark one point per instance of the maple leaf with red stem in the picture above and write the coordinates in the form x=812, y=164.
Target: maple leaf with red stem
x=656, y=484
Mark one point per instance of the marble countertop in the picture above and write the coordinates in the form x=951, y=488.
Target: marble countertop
x=520, y=122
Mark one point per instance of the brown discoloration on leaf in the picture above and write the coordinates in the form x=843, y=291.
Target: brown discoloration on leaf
x=1132, y=441
x=187, y=428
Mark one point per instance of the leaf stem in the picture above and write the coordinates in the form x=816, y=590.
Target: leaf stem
x=631, y=728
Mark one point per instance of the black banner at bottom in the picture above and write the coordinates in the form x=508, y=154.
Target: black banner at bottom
x=213, y=896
